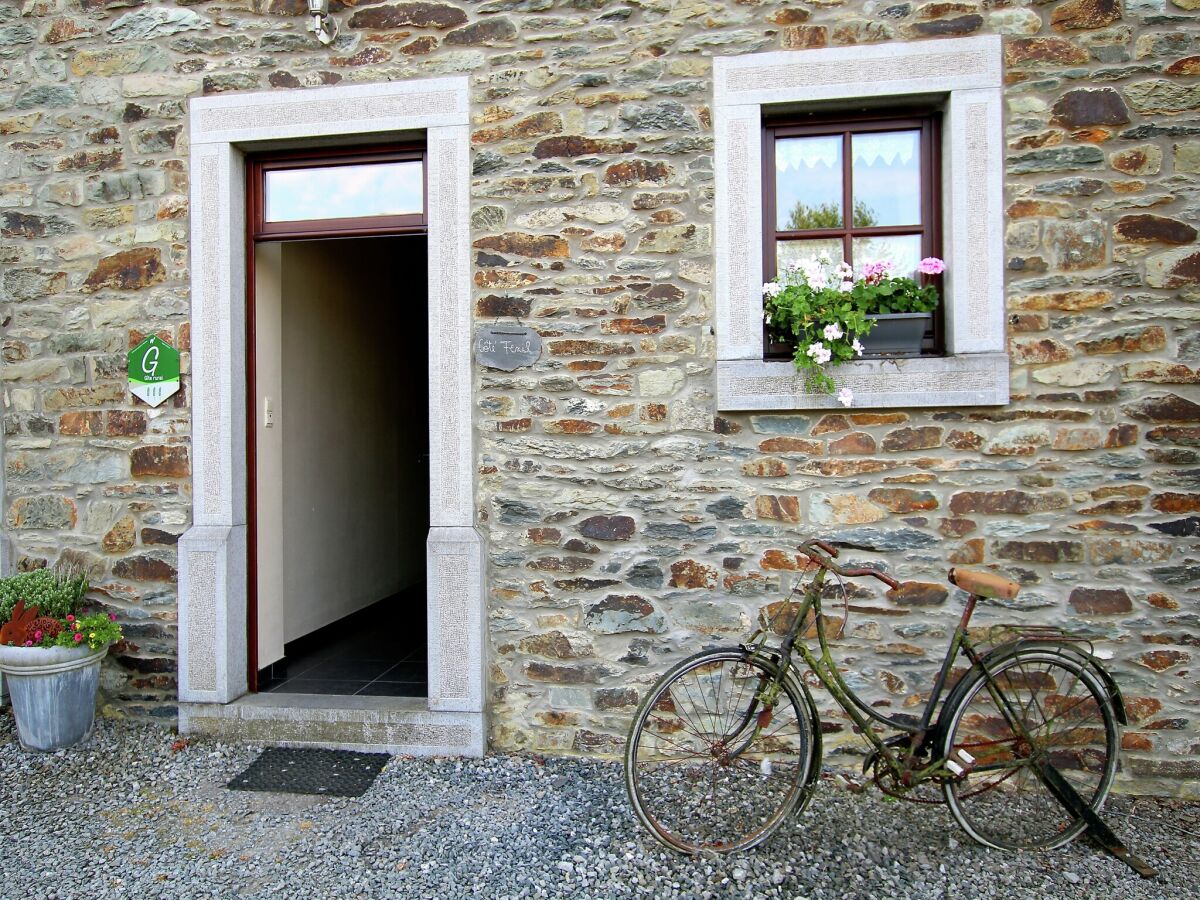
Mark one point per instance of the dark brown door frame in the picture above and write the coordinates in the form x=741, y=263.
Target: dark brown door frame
x=259, y=231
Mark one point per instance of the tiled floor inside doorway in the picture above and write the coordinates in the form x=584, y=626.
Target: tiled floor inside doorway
x=357, y=656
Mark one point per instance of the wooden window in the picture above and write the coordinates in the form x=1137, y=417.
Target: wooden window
x=340, y=192
x=861, y=188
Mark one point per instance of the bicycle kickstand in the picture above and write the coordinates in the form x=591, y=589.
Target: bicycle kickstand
x=1097, y=829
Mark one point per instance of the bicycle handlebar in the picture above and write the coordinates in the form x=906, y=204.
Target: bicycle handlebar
x=826, y=562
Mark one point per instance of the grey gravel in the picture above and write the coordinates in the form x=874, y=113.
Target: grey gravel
x=128, y=816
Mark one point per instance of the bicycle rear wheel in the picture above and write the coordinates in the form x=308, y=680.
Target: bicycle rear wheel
x=708, y=765
x=1068, y=715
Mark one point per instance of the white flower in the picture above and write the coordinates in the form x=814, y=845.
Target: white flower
x=819, y=353
x=857, y=347
x=817, y=280
x=772, y=289
x=845, y=396
x=833, y=332
x=823, y=258
x=844, y=270
x=846, y=287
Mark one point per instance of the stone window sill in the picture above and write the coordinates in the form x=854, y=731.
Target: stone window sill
x=969, y=379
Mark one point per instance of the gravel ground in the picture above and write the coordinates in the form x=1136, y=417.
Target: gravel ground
x=128, y=816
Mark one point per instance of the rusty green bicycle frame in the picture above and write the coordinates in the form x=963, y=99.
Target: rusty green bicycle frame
x=825, y=668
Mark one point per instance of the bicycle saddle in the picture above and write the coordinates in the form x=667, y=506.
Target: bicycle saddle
x=984, y=584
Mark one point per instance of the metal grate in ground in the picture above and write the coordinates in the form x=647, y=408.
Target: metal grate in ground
x=303, y=770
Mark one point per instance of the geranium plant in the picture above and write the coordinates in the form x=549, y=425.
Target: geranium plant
x=825, y=310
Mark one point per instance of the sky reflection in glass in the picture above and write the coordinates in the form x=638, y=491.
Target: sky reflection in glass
x=343, y=192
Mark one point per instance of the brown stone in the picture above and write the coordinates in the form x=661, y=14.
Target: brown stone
x=792, y=445
x=831, y=424
x=782, y=561
x=119, y=538
x=1156, y=371
x=1033, y=52
x=956, y=527
x=1077, y=108
x=1040, y=351
x=590, y=348
x=520, y=244
x=124, y=422
x=570, y=426
x=1163, y=408
x=855, y=443
x=1011, y=502
x=779, y=508
x=81, y=423
x=789, y=15
x=571, y=146
x=1074, y=439
x=426, y=43
x=969, y=554
x=637, y=172
x=1100, y=601
x=608, y=528
x=488, y=32
x=924, y=437
x=766, y=467
x=688, y=573
x=648, y=325
x=156, y=536
x=1172, y=502
x=1143, y=160
x=159, y=462
x=615, y=698
x=129, y=270
x=421, y=14
x=903, y=500
x=964, y=440
x=1041, y=551
x=1075, y=15
x=1147, y=229
x=143, y=568
x=805, y=37
x=1121, y=436
x=1137, y=340
x=1188, y=65
x=514, y=425
x=495, y=307
x=561, y=563
x=612, y=242
x=1067, y=301
x=553, y=645
x=918, y=593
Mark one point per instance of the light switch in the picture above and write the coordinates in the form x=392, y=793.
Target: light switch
x=268, y=413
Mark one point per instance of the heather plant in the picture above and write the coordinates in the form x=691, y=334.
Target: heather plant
x=824, y=311
x=54, y=592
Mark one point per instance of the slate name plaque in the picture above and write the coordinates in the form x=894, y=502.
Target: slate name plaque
x=507, y=347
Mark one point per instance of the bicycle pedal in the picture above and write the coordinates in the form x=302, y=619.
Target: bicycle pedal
x=960, y=762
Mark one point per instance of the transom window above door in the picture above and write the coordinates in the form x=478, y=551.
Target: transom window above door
x=337, y=192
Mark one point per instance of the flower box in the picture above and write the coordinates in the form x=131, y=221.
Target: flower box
x=897, y=333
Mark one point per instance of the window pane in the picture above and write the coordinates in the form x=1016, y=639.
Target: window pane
x=887, y=178
x=904, y=251
x=808, y=183
x=343, y=192
x=802, y=251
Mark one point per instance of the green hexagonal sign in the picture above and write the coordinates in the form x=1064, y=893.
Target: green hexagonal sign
x=153, y=370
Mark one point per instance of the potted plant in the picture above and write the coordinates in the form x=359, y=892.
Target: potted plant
x=50, y=653
x=833, y=317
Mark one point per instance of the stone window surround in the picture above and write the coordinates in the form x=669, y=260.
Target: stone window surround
x=964, y=75
x=213, y=576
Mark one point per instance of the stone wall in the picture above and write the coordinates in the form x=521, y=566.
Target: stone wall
x=628, y=520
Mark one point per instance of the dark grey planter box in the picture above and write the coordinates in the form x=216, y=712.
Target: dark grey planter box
x=897, y=333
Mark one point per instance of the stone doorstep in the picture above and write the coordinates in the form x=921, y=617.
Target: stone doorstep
x=397, y=725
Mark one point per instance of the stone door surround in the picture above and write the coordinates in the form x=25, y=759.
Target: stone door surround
x=213, y=574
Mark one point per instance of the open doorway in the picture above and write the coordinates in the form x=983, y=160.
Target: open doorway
x=340, y=447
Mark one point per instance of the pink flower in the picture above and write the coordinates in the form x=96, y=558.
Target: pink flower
x=70, y=618
x=78, y=637
x=37, y=636
x=29, y=643
x=112, y=617
x=931, y=265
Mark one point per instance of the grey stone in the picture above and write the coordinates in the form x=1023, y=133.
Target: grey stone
x=664, y=116
x=645, y=574
x=1056, y=159
x=515, y=512
x=881, y=540
x=51, y=95
x=727, y=508
x=154, y=21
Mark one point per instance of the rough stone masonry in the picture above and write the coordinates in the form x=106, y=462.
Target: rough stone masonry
x=627, y=521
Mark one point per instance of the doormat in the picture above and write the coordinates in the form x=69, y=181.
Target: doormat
x=304, y=770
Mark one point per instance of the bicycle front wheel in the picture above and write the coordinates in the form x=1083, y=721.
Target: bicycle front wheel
x=1067, y=718
x=713, y=762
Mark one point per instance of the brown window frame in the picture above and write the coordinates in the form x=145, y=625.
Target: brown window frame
x=928, y=122
x=366, y=226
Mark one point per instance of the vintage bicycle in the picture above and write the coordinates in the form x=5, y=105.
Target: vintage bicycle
x=1024, y=747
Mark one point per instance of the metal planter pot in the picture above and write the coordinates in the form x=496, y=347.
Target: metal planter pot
x=897, y=333
x=53, y=693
